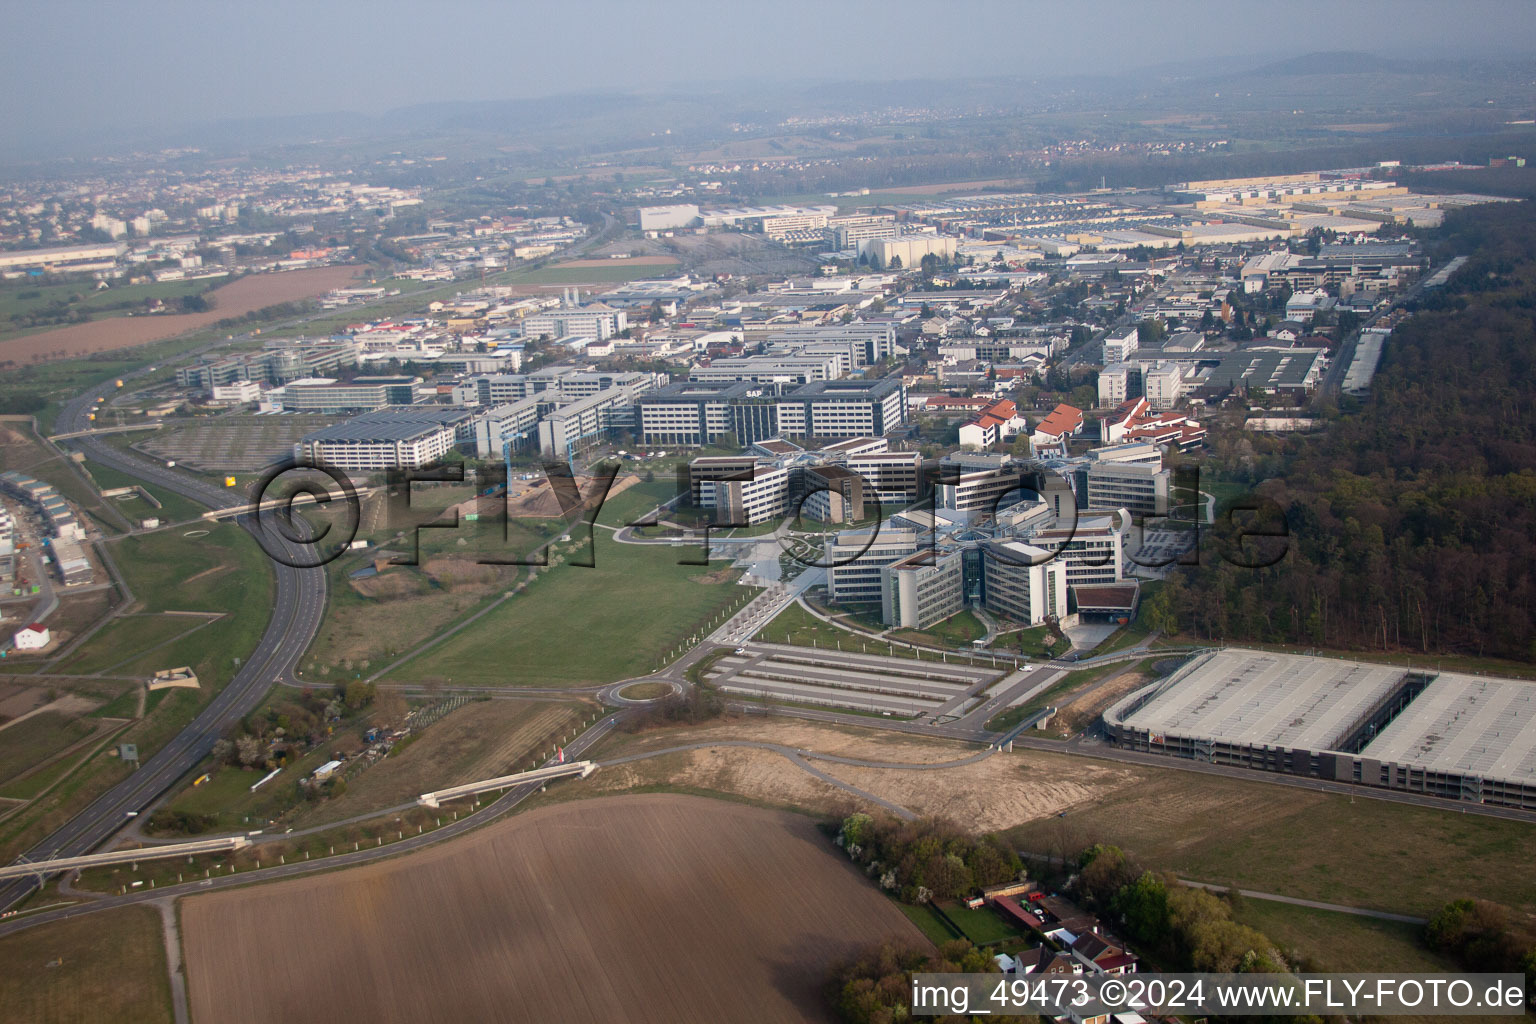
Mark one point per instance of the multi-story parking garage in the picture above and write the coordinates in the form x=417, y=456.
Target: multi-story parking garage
x=1455, y=736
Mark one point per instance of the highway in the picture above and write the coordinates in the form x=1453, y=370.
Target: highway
x=298, y=607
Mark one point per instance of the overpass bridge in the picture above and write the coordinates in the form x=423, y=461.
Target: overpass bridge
x=42, y=868
x=539, y=775
x=105, y=430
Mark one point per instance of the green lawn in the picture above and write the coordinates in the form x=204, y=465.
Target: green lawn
x=956, y=631
x=1029, y=642
x=929, y=922
x=983, y=927
x=579, y=626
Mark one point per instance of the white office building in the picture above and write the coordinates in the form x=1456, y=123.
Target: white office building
x=855, y=558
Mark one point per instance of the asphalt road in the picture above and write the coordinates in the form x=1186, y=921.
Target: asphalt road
x=298, y=606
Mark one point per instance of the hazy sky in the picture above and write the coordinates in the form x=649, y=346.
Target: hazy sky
x=72, y=68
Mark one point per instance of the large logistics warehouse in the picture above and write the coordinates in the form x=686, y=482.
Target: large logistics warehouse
x=1449, y=735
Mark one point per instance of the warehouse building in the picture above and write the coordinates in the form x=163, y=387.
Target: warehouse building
x=1443, y=734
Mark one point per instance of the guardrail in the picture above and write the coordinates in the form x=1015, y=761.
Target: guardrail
x=556, y=771
x=39, y=868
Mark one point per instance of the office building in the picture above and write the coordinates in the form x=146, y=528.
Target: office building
x=1119, y=344
x=386, y=439
x=361, y=394
x=1164, y=385
x=855, y=558
x=701, y=412
x=1022, y=582
x=1140, y=487
x=923, y=588
x=595, y=321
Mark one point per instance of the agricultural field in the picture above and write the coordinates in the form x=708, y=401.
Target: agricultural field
x=23, y=305
x=36, y=739
x=107, y=966
x=726, y=912
x=238, y=298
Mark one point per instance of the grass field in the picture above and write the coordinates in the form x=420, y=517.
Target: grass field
x=174, y=508
x=35, y=740
x=930, y=922
x=1296, y=842
x=21, y=300
x=111, y=966
x=577, y=626
x=125, y=638
x=983, y=927
x=226, y=571
x=1342, y=942
x=370, y=622
x=956, y=631
x=721, y=911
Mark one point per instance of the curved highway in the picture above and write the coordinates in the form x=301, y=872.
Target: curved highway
x=299, y=604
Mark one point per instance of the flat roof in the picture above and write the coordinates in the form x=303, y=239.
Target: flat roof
x=1465, y=724
x=1261, y=698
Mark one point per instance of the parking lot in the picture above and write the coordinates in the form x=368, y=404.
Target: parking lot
x=905, y=687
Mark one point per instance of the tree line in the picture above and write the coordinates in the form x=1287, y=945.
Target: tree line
x=1412, y=517
x=928, y=859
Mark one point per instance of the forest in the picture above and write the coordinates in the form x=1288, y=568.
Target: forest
x=1412, y=517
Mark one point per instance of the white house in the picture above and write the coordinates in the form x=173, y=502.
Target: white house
x=34, y=638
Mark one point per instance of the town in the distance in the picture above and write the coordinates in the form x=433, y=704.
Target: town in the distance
x=724, y=569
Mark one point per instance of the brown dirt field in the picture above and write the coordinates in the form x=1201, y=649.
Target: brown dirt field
x=1000, y=792
x=234, y=299
x=539, y=501
x=478, y=741
x=1082, y=710
x=651, y=908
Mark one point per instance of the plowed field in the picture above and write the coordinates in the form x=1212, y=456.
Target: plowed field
x=644, y=908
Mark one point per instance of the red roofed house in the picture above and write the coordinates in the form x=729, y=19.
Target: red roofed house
x=1126, y=415
x=34, y=638
x=1062, y=422
x=999, y=420
x=1169, y=428
x=955, y=403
